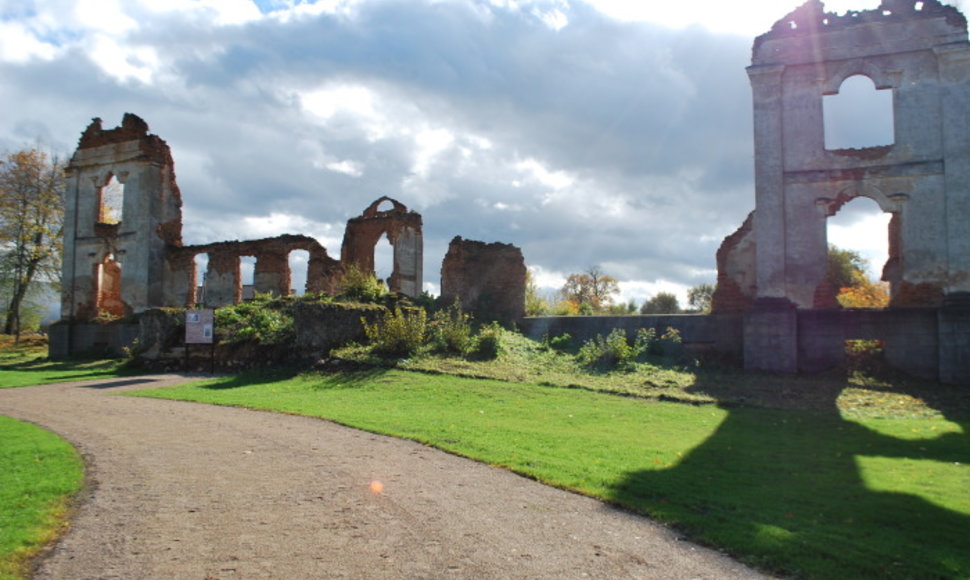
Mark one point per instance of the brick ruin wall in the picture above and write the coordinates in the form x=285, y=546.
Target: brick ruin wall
x=488, y=279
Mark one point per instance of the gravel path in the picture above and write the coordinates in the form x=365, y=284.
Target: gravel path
x=182, y=490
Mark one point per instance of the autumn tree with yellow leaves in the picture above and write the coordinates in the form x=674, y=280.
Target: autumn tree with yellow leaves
x=856, y=290
x=31, y=221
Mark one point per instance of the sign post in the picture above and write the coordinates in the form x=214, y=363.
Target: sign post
x=199, y=329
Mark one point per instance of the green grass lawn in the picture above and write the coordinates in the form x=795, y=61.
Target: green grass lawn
x=842, y=490
x=38, y=472
x=26, y=364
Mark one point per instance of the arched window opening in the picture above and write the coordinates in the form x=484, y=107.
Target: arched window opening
x=859, y=116
x=299, y=264
x=384, y=260
x=111, y=198
x=386, y=205
x=247, y=277
x=860, y=228
x=201, y=265
x=108, y=303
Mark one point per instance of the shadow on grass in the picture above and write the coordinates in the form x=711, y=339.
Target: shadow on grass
x=252, y=377
x=116, y=384
x=788, y=491
x=44, y=364
x=347, y=378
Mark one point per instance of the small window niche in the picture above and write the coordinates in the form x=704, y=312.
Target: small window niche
x=859, y=116
x=111, y=198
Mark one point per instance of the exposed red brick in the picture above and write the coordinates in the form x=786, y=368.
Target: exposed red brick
x=728, y=295
x=489, y=279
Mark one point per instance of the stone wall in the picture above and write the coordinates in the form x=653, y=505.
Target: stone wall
x=716, y=333
x=403, y=229
x=96, y=339
x=488, y=279
x=116, y=264
x=321, y=327
x=223, y=284
x=920, y=53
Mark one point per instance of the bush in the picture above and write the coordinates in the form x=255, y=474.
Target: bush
x=488, y=345
x=646, y=342
x=359, y=286
x=400, y=333
x=671, y=343
x=451, y=331
x=607, y=353
x=561, y=343
x=615, y=350
x=263, y=320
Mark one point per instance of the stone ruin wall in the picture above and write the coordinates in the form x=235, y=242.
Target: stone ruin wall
x=223, y=284
x=118, y=265
x=919, y=51
x=403, y=229
x=138, y=261
x=135, y=260
x=488, y=279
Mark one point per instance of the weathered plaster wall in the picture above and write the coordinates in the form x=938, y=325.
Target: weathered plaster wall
x=923, y=56
x=150, y=221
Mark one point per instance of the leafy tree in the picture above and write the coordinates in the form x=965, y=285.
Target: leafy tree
x=662, y=303
x=699, y=297
x=847, y=274
x=591, y=287
x=846, y=267
x=31, y=221
x=535, y=305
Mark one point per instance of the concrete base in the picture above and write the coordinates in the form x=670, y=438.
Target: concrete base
x=109, y=339
x=771, y=336
x=954, y=329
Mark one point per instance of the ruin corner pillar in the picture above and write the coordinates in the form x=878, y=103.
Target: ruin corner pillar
x=771, y=336
x=954, y=329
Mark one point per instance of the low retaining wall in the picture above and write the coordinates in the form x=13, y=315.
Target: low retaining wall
x=159, y=336
x=716, y=332
x=774, y=336
x=98, y=339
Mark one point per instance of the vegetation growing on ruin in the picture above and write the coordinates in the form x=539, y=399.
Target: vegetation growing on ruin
x=40, y=471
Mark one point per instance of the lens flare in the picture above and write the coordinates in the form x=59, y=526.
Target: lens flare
x=376, y=487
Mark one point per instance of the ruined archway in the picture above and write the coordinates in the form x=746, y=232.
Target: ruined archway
x=107, y=293
x=913, y=55
x=859, y=226
x=403, y=229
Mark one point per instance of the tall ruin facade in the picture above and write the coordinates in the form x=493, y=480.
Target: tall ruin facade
x=123, y=215
x=918, y=53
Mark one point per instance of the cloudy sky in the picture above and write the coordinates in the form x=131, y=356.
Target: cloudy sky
x=610, y=133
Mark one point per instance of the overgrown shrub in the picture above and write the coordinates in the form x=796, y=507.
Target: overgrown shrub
x=451, y=331
x=488, y=344
x=646, y=342
x=607, y=353
x=671, y=343
x=615, y=349
x=562, y=343
x=359, y=286
x=263, y=320
x=400, y=333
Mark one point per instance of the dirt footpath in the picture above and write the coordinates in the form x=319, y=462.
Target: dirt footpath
x=182, y=490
